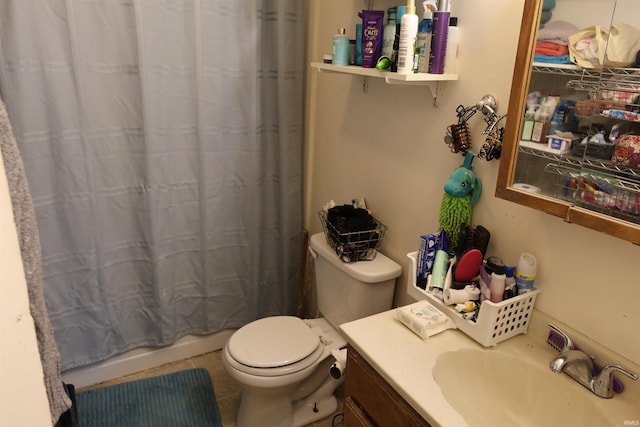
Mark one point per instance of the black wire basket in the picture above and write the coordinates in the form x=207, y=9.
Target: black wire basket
x=355, y=245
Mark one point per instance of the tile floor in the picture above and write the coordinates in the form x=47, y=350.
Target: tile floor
x=226, y=389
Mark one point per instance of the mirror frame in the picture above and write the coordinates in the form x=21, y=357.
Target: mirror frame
x=513, y=129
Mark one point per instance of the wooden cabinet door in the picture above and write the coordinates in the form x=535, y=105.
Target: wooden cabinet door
x=371, y=401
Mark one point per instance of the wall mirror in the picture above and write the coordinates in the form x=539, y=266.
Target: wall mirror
x=572, y=136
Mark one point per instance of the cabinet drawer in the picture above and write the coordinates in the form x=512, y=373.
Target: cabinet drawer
x=354, y=416
x=371, y=394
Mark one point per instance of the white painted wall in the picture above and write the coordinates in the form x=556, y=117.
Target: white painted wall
x=387, y=145
x=23, y=399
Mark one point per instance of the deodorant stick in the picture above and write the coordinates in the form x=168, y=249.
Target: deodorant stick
x=525, y=273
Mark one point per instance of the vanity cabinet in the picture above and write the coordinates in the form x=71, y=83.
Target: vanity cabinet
x=369, y=401
x=578, y=182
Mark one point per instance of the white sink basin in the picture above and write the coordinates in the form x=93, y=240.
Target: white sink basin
x=515, y=392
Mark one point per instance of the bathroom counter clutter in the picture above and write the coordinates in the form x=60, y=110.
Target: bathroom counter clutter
x=513, y=375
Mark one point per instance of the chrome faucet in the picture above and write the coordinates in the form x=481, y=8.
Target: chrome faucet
x=579, y=366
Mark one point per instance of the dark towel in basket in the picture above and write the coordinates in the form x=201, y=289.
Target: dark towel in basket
x=353, y=226
x=347, y=219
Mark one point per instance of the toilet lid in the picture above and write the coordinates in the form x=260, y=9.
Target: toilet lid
x=273, y=342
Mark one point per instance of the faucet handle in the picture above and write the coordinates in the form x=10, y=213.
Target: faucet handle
x=568, y=343
x=609, y=369
x=602, y=384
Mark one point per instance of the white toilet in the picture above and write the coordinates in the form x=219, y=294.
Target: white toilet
x=289, y=367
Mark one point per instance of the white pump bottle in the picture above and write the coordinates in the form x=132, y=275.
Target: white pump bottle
x=408, y=33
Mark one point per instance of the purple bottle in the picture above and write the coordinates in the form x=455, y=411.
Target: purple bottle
x=439, y=37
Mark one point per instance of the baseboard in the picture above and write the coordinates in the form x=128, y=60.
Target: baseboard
x=145, y=358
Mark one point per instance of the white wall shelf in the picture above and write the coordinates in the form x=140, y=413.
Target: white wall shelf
x=423, y=79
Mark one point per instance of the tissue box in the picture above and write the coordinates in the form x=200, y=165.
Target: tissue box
x=559, y=144
x=424, y=319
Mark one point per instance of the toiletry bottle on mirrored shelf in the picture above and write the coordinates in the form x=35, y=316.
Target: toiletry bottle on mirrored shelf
x=439, y=37
x=340, y=47
x=423, y=40
x=529, y=121
x=407, y=44
x=400, y=11
x=389, y=32
x=453, y=47
x=498, y=283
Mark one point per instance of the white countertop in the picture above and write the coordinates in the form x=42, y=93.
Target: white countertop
x=405, y=361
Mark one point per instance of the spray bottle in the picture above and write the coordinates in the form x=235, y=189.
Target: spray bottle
x=423, y=40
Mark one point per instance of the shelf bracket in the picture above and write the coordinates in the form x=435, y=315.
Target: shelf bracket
x=436, y=91
x=365, y=84
x=435, y=87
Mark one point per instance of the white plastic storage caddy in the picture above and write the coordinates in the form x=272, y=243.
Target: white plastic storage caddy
x=495, y=323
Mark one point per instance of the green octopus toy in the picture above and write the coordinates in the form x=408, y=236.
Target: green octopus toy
x=461, y=191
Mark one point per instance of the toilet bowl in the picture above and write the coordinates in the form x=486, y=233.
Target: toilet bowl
x=288, y=367
x=281, y=363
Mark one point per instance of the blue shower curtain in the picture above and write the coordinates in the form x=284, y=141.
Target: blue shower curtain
x=162, y=141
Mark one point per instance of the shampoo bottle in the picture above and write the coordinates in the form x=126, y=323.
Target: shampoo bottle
x=340, y=48
x=389, y=32
x=423, y=40
x=439, y=37
x=453, y=47
x=407, y=44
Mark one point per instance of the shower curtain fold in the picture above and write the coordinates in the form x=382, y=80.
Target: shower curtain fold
x=163, y=144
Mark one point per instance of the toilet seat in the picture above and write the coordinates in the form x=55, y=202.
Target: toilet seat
x=274, y=346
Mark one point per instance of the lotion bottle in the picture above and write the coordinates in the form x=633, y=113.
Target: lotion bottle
x=439, y=37
x=453, y=46
x=498, y=283
x=408, y=34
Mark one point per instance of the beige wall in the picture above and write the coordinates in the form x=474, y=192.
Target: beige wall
x=23, y=399
x=386, y=144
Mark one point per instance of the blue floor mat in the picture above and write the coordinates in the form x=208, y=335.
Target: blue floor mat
x=180, y=399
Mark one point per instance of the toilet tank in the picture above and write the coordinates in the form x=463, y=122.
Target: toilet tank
x=350, y=291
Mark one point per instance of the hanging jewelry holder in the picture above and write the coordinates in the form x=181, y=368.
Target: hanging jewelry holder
x=458, y=136
x=492, y=147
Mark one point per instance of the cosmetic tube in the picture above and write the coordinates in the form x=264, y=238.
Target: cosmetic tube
x=441, y=263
